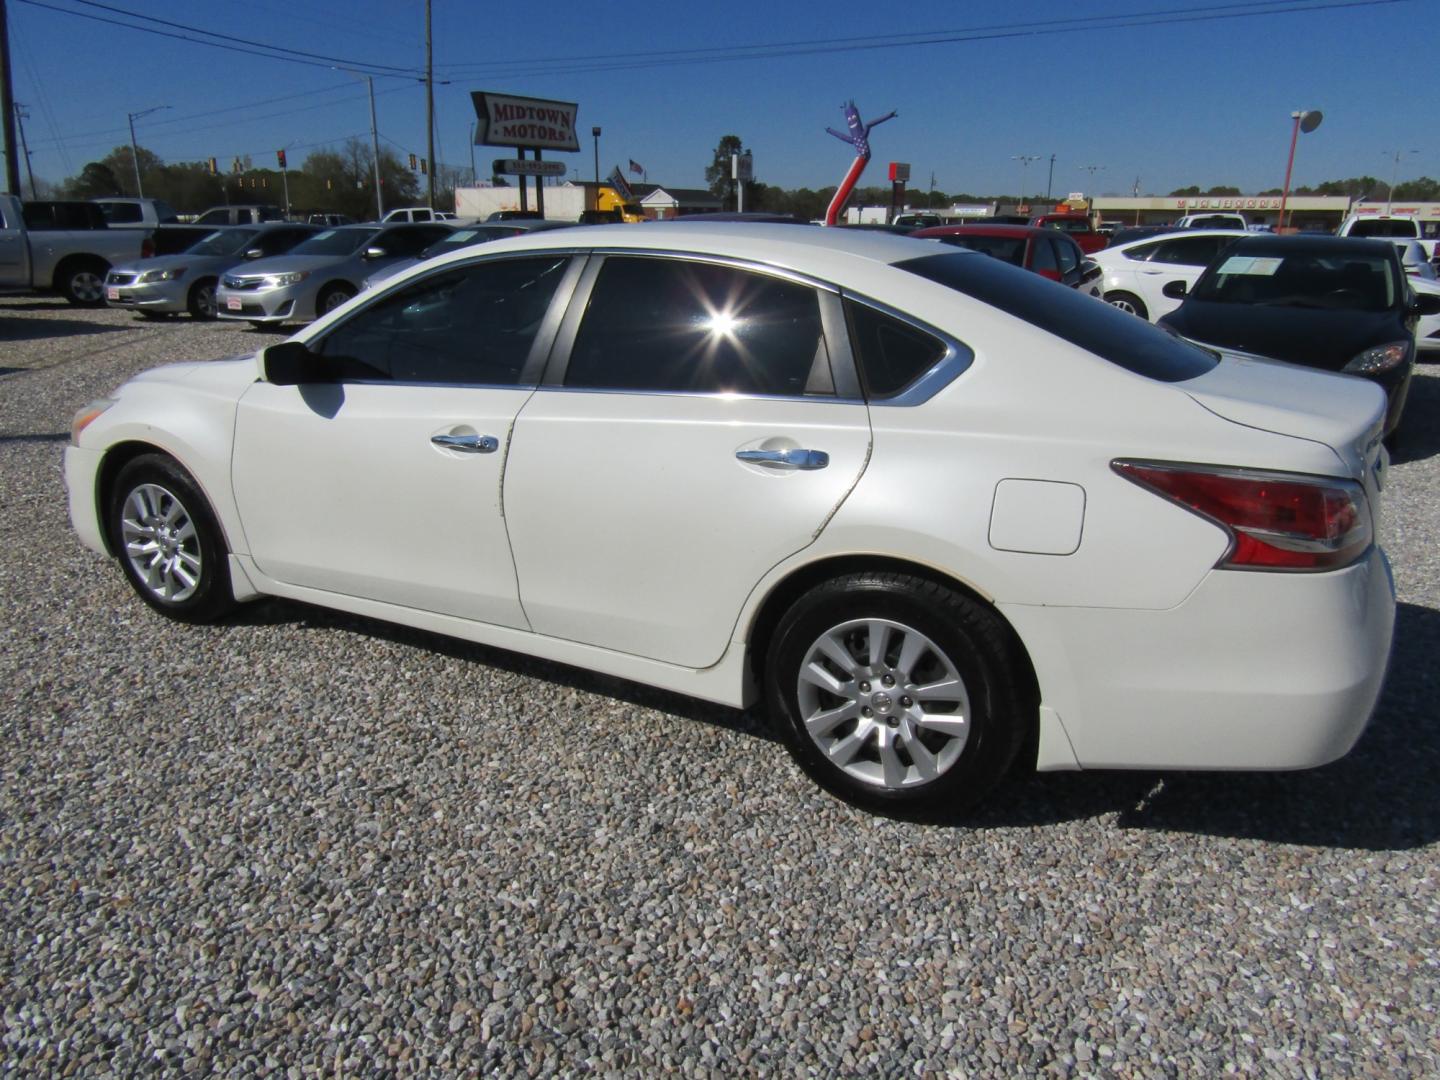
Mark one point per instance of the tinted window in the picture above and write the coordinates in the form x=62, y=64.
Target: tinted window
x=1009, y=249
x=1384, y=227
x=278, y=241
x=1109, y=333
x=1348, y=282
x=1068, y=254
x=407, y=242
x=224, y=242
x=337, y=242
x=467, y=325
x=122, y=213
x=686, y=327
x=1141, y=252
x=165, y=213
x=1042, y=256
x=1191, y=250
x=892, y=354
x=214, y=217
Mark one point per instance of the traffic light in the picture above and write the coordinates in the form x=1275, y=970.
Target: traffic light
x=423, y=169
x=280, y=157
x=412, y=162
x=214, y=167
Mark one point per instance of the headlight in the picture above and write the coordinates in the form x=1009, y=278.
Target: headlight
x=276, y=281
x=1381, y=358
x=163, y=275
x=86, y=416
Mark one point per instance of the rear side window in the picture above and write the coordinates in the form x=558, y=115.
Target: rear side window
x=1191, y=250
x=891, y=354
x=122, y=213
x=1109, y=333
x=1385, y=227
x=673, y=326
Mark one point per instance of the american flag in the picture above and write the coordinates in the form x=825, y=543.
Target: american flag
x=637, y=168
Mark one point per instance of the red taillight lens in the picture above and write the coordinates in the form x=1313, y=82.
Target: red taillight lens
x=1277, y=521
x=147, y=248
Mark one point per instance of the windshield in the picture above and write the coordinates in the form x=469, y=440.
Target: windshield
x=1106, y=331
x=1010, y=249
x=1349, y=281
x=1384, y=227
x=336, y=242
x=224, y=242
x=465, y=237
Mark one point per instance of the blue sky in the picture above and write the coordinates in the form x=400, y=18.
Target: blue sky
x=1203, y=102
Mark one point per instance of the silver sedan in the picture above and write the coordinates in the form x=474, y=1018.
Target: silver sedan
x=319, y=275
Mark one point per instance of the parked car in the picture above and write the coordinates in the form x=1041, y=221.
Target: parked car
x=63, y=247
x=1394, y=227
x=253, y=214
x=468, y=236
x=319, y=275
x=930, y=509
x=1324, y=302
x=124, y=212
x=1137, y=232
x=918, y=219
x=1213, y=221
x=330, y=221
x=171, y=284
x=1427, y=326
x=515, y=215
x=1413, y=260
x=414, y=214
x=1045, y=252
x=1137, y=271
x=1076, y=226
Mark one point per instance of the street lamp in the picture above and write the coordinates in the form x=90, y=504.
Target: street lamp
x=1024, y=160
x=595, y=131
x=134, y=150
x=1394, y=174
x=1306, y=121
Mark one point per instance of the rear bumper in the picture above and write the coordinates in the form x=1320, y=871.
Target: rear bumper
x=1252, y=671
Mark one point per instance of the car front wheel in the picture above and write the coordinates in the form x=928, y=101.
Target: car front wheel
x=897, y=693
x=169, y=544
x=1127, y=302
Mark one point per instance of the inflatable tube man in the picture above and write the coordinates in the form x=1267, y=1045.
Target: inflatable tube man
x=857, y=136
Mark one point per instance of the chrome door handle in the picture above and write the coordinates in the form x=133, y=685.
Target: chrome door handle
x=470, y=444
x=790, y=459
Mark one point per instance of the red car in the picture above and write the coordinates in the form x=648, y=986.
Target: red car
x=1076, y=226
x=1049, y=253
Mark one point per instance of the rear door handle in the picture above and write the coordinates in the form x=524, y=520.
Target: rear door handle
x=469, y=444
x=786, y=459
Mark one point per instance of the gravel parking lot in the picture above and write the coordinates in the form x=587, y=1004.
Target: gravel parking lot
x=300, y=842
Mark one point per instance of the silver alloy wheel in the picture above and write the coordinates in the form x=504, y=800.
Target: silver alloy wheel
x=161, y=543
x=883, y=703
x=87, y=286
x=205, y=303
x=333, y=300
x=1123, y=305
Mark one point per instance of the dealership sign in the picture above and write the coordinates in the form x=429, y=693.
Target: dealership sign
x=525, y=167
x=528, y=123
x=1232, y=203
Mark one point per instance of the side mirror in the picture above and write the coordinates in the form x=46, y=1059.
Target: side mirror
x=1175, y=290
x=375, y=252
x=255, y=253
x=1425, y=304
x=290, y=363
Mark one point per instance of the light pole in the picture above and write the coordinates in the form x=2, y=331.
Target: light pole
x=1307, y=121
x=595, y=132
x=1394, y=175
x=1024, y=160
x=473, y=179
x=374, y=138
x=134, y=150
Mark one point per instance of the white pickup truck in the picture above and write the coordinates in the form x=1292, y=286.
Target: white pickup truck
x=62, y=247
x=1394, y=227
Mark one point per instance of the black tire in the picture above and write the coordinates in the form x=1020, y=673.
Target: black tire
x=331, y=297
x=179, y=541
x=153, y=316
x=83, y=283
x=201, y=300
x=994, y=720
x=1126, y=301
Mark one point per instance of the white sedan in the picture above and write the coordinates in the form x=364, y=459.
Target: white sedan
x=1137, y=273
x=943, y=517
x=1427, y=327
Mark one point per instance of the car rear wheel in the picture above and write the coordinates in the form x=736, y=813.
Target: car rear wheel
x=1128, y=302
x=202, y=302
x=897, y=693
x=83, y=285
x=169, y=544
x=332, y=298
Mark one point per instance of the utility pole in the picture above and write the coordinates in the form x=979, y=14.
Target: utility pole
x=7, y=106
x=20, y=116
x=375, y=150
x=429, y=112
x=1050, y=180
x=135, y=150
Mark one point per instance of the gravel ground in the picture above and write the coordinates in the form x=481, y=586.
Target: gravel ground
x=301, y=842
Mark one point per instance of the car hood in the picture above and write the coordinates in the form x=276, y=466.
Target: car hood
x=169, y=262
x=227, y=377
x=289, y=264
x=1314, y=338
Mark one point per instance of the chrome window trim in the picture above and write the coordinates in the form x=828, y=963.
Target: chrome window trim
x=955, y=362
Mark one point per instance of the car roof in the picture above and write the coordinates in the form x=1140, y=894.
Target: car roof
x=1178, y=233
x=1312, y=244
x=815, y=252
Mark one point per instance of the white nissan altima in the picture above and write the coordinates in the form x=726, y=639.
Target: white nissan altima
x=942, y=516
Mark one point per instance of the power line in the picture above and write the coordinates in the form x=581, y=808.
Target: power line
x=729, y=54
x=356, y=65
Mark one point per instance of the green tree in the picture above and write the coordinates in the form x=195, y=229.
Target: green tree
x=1193, y=189
x=95, y=179
x=717, y=173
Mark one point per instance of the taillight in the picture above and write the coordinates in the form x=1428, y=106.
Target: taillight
x=147, y=248
x=1276, y=521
